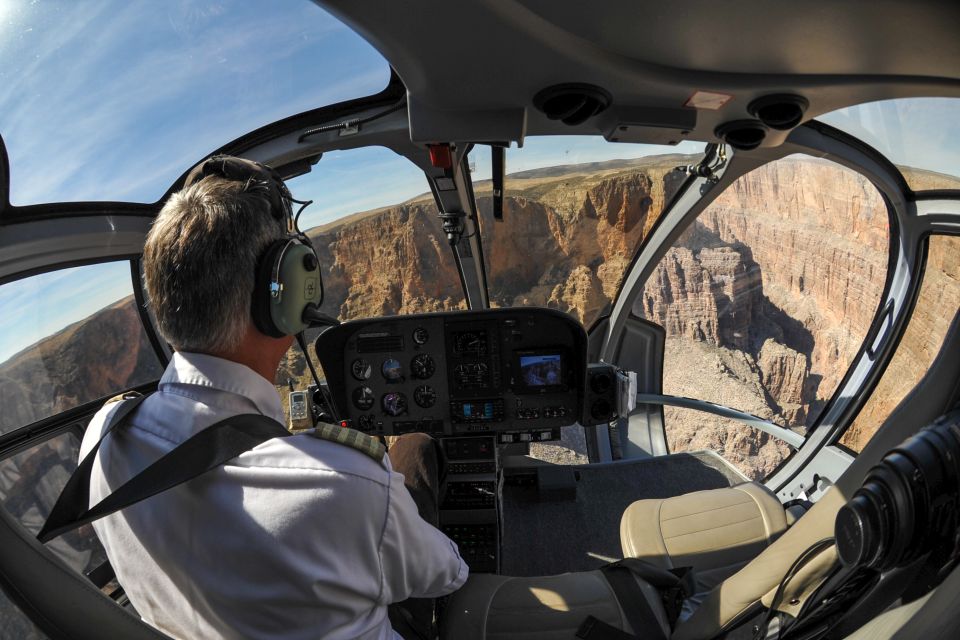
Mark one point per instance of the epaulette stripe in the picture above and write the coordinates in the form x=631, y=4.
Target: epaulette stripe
x=351, y=438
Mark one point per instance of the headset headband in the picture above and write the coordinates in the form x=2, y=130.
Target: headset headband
x=259, y=179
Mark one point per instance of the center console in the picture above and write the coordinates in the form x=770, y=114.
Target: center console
x=469, y=511
x=477, y=380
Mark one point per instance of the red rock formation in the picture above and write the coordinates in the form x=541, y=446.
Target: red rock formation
x=92, y=358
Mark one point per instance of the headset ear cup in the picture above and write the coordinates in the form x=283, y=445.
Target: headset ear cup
x=260, y=308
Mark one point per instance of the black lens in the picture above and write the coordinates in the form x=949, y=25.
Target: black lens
x=908, y=503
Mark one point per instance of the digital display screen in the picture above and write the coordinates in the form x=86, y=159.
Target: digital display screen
x=541, y=370
x=478, y=410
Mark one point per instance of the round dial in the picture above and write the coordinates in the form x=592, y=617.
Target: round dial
x=422, y=366
x=363, y=398
x=420, y=335
x=361, y=369
x=394, y=404
x=392, y=370
x=471, y=373
x=469, y=342
x=425, y=396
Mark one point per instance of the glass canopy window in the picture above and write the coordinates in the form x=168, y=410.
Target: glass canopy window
x=919, y=135
x=113, y=100
x=576, y=208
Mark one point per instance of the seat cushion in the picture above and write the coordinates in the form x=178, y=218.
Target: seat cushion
x=492, y=607
x=716, y=532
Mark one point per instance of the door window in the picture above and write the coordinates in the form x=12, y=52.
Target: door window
x=937, y=304
x=69, y=337
x=766, y=299
x=31, y=482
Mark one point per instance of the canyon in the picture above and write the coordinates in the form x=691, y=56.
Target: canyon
x=766, y=298
x=96, y=357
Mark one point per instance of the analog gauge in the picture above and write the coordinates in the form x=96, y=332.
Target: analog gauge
x=363, y=398
x=425, y=396
x=392, y=370
x=422, y=366
x=420, y=335
x=394, y=404
x=472, y=342
x=361, y=369
x=471, y=374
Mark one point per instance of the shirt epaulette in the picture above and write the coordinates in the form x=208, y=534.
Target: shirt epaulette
x=351, y=438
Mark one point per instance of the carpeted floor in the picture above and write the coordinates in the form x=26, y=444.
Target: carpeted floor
x=545, y=538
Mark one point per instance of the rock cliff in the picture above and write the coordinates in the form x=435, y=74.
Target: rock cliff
x=785, y=270
x=95, y=357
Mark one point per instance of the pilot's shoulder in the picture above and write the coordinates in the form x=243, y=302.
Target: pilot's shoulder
x=341, y=451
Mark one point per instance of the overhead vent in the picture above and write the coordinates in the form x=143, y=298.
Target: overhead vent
x=780, y=111
x=572, y=104
x=742, y=135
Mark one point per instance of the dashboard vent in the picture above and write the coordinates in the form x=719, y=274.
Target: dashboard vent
x=379, y=343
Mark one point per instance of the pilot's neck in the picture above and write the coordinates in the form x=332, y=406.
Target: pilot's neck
x=258, y=352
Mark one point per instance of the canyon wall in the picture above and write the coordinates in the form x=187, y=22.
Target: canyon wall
x=95, y=357
x=777, y=281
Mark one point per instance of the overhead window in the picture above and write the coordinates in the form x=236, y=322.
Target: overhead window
x=69, y=337
x=113, y=100
x=936, y=306
x=766, y=299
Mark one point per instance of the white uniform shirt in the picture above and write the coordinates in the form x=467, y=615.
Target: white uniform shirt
x=297, y=538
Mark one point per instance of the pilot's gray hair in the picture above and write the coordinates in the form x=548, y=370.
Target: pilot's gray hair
x=199, y=262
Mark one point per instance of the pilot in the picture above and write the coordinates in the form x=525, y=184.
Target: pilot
x=299, y=537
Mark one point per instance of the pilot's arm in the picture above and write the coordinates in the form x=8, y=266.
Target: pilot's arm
x=418, y=560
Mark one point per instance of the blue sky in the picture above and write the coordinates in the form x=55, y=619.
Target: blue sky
x=39, y=306
x=113, y=100
x=918, y=132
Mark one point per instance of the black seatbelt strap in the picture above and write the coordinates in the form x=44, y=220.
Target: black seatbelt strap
x=203, y=451
x=674, y=586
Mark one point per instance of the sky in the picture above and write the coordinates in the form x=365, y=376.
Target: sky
x=113, y=100
x=39, y=306
x=920, y=132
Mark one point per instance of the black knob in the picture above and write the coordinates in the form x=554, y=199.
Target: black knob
x=601, y=410
x=601, y=383
x=310, y=262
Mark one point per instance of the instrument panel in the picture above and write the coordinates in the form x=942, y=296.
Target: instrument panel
x=459, y=372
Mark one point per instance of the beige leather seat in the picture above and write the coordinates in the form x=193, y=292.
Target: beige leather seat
x=716, y=532
x=492, y=607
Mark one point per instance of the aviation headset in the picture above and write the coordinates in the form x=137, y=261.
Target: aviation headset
x=287, y=282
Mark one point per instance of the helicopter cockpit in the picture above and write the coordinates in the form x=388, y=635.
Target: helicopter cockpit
x=672, y=285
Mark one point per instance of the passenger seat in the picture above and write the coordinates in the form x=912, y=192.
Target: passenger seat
x=716, y=532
